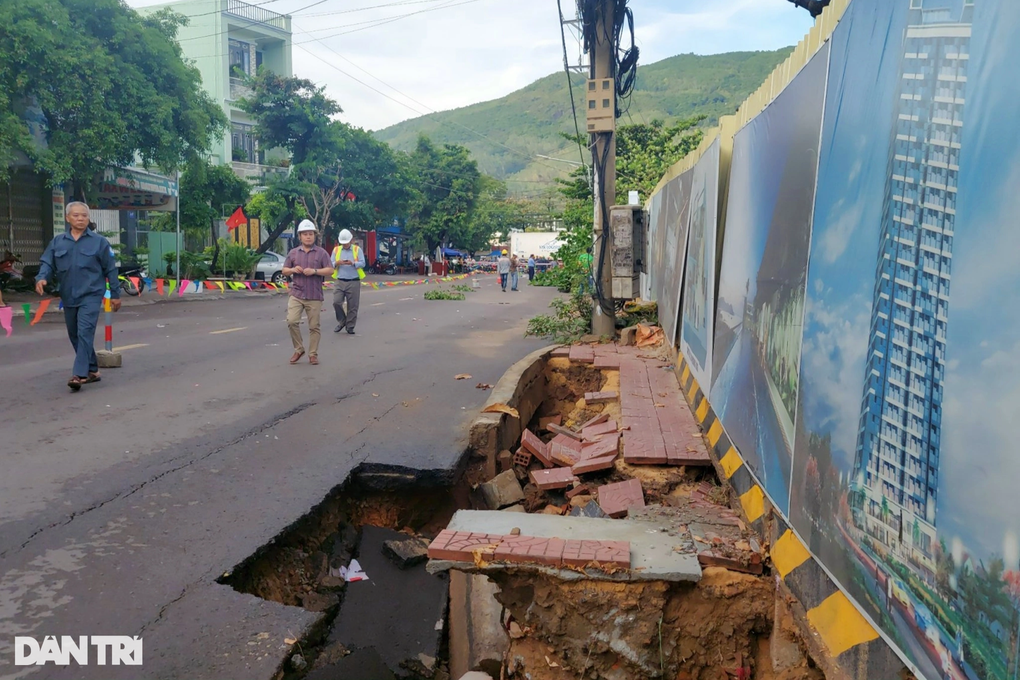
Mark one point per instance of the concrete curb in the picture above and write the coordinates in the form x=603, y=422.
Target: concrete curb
x=521, y=387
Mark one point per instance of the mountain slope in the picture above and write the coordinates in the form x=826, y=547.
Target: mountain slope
x=530, y=120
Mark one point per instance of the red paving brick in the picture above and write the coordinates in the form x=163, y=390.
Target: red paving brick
x=607, y=427
x=607, y=362
x=600, y=418
x=557, y=478
x=578, y=490
x=536, y=447
x=583, y=354
x=600, y=397
x=460, y=546
x=595, y=464
x=561, y=352
x=569, y=442
x=608, y=443
x=560, y=454
x=616, y=499
x=662, y=429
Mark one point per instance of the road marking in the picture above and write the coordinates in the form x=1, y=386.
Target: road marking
x=376, y=304
x=228, y=330
x=121, y=349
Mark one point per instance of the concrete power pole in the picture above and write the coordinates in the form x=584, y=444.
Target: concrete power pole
x=604, y=66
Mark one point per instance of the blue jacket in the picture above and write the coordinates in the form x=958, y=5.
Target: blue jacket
x=81, y=267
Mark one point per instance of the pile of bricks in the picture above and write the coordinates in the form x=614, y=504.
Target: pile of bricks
x=595, y=446
x=464, y=546
x=720, y=537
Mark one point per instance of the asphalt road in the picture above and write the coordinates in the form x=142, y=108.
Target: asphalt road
x=121, y=505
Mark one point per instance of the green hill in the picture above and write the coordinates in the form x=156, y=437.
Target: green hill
x=530, y=119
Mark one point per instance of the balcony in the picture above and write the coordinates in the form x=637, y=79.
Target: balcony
x=258, y=15
x=238, y=89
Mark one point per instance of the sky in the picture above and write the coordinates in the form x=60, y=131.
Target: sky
x=453, y=53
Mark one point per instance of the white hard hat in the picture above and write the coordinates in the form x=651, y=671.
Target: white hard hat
x=306, y=225
x=345, y=237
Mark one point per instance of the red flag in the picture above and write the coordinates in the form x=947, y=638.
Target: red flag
x=237, y=219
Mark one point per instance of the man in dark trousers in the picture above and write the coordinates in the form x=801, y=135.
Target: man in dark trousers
x=349, y=262
x=307, y=266
x=82, y=263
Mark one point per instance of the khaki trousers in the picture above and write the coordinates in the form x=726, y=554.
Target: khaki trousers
x=312, y=309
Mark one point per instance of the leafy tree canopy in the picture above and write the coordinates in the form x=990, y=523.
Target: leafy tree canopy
x=111, y=86
x=448, y=185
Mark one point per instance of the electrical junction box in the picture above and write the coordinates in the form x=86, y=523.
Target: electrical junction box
x=627, y=250
x=601, y=105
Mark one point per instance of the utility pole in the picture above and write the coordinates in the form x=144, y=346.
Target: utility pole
x=603, y=61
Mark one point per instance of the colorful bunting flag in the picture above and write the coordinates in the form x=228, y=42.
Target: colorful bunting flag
x=159, y=286
x=184, y=285
x=6, y=314
x=43, y=306
x=247, y=284
x=27, y=309
x=220, y=284
x=173, y=285
x=198, y=286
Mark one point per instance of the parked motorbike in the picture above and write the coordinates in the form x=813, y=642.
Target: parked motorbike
x=126, y=284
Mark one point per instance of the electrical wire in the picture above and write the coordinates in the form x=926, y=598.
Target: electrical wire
x=570, y=89
x=522, y=154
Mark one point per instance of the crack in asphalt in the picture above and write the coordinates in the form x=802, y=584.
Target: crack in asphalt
x=141, y=485
x=162, y=610
x=354, y=391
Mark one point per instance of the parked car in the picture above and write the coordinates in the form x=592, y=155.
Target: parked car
x=270, y=267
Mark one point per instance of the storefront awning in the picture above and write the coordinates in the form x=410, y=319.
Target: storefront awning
x=134, y=189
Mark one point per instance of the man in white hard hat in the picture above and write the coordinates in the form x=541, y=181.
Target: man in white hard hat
x=307, y=266
x=349, y=270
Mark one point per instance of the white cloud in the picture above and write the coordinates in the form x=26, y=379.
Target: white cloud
x=833, y=364
x=978, y=467
x=483, y=50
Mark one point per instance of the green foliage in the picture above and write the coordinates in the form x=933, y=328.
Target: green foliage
x=645, y=152
x=193, y=265
x=496, y=215
x=111, y=85
x=270, y=208
x=234, y=257
x=448, y=185
x=464, y=289
x=439, y=294
x=532, y=119
x=571, y=319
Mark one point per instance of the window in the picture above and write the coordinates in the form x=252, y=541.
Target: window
x=240, y=58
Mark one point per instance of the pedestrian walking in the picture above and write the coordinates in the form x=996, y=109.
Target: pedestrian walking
x=514, y=267
x=349, y=270
x=82, y=263
x=307, y=266
x=503, y=269
x=428, y=264
x=531, y=268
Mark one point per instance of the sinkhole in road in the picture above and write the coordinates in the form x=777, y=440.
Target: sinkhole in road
x=514, y=624
x=392, y=625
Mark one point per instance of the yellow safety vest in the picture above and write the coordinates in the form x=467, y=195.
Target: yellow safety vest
x=336, y=260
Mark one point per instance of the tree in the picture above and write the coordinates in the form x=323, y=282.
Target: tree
x=496, y=215
x=644, y=152
x=205, y=190
x=448, y=184
x=376, y=183
x=295, y=114
x=111, y=86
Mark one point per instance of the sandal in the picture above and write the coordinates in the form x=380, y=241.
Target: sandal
x=93, y=377
x=76, y=382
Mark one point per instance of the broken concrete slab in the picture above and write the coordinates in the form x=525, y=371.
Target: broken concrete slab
x=397, y=613
x=407, y=552
x=616, y=499
x=505, y=460
x=652, y=553
x=501, y=491
x=477, y=637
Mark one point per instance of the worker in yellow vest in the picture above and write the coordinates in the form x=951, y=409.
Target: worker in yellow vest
x=349, y=269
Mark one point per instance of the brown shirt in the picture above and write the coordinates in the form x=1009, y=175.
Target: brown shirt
x=307, y=287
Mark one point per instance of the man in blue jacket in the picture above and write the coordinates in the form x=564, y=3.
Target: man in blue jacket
x=82, y=262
